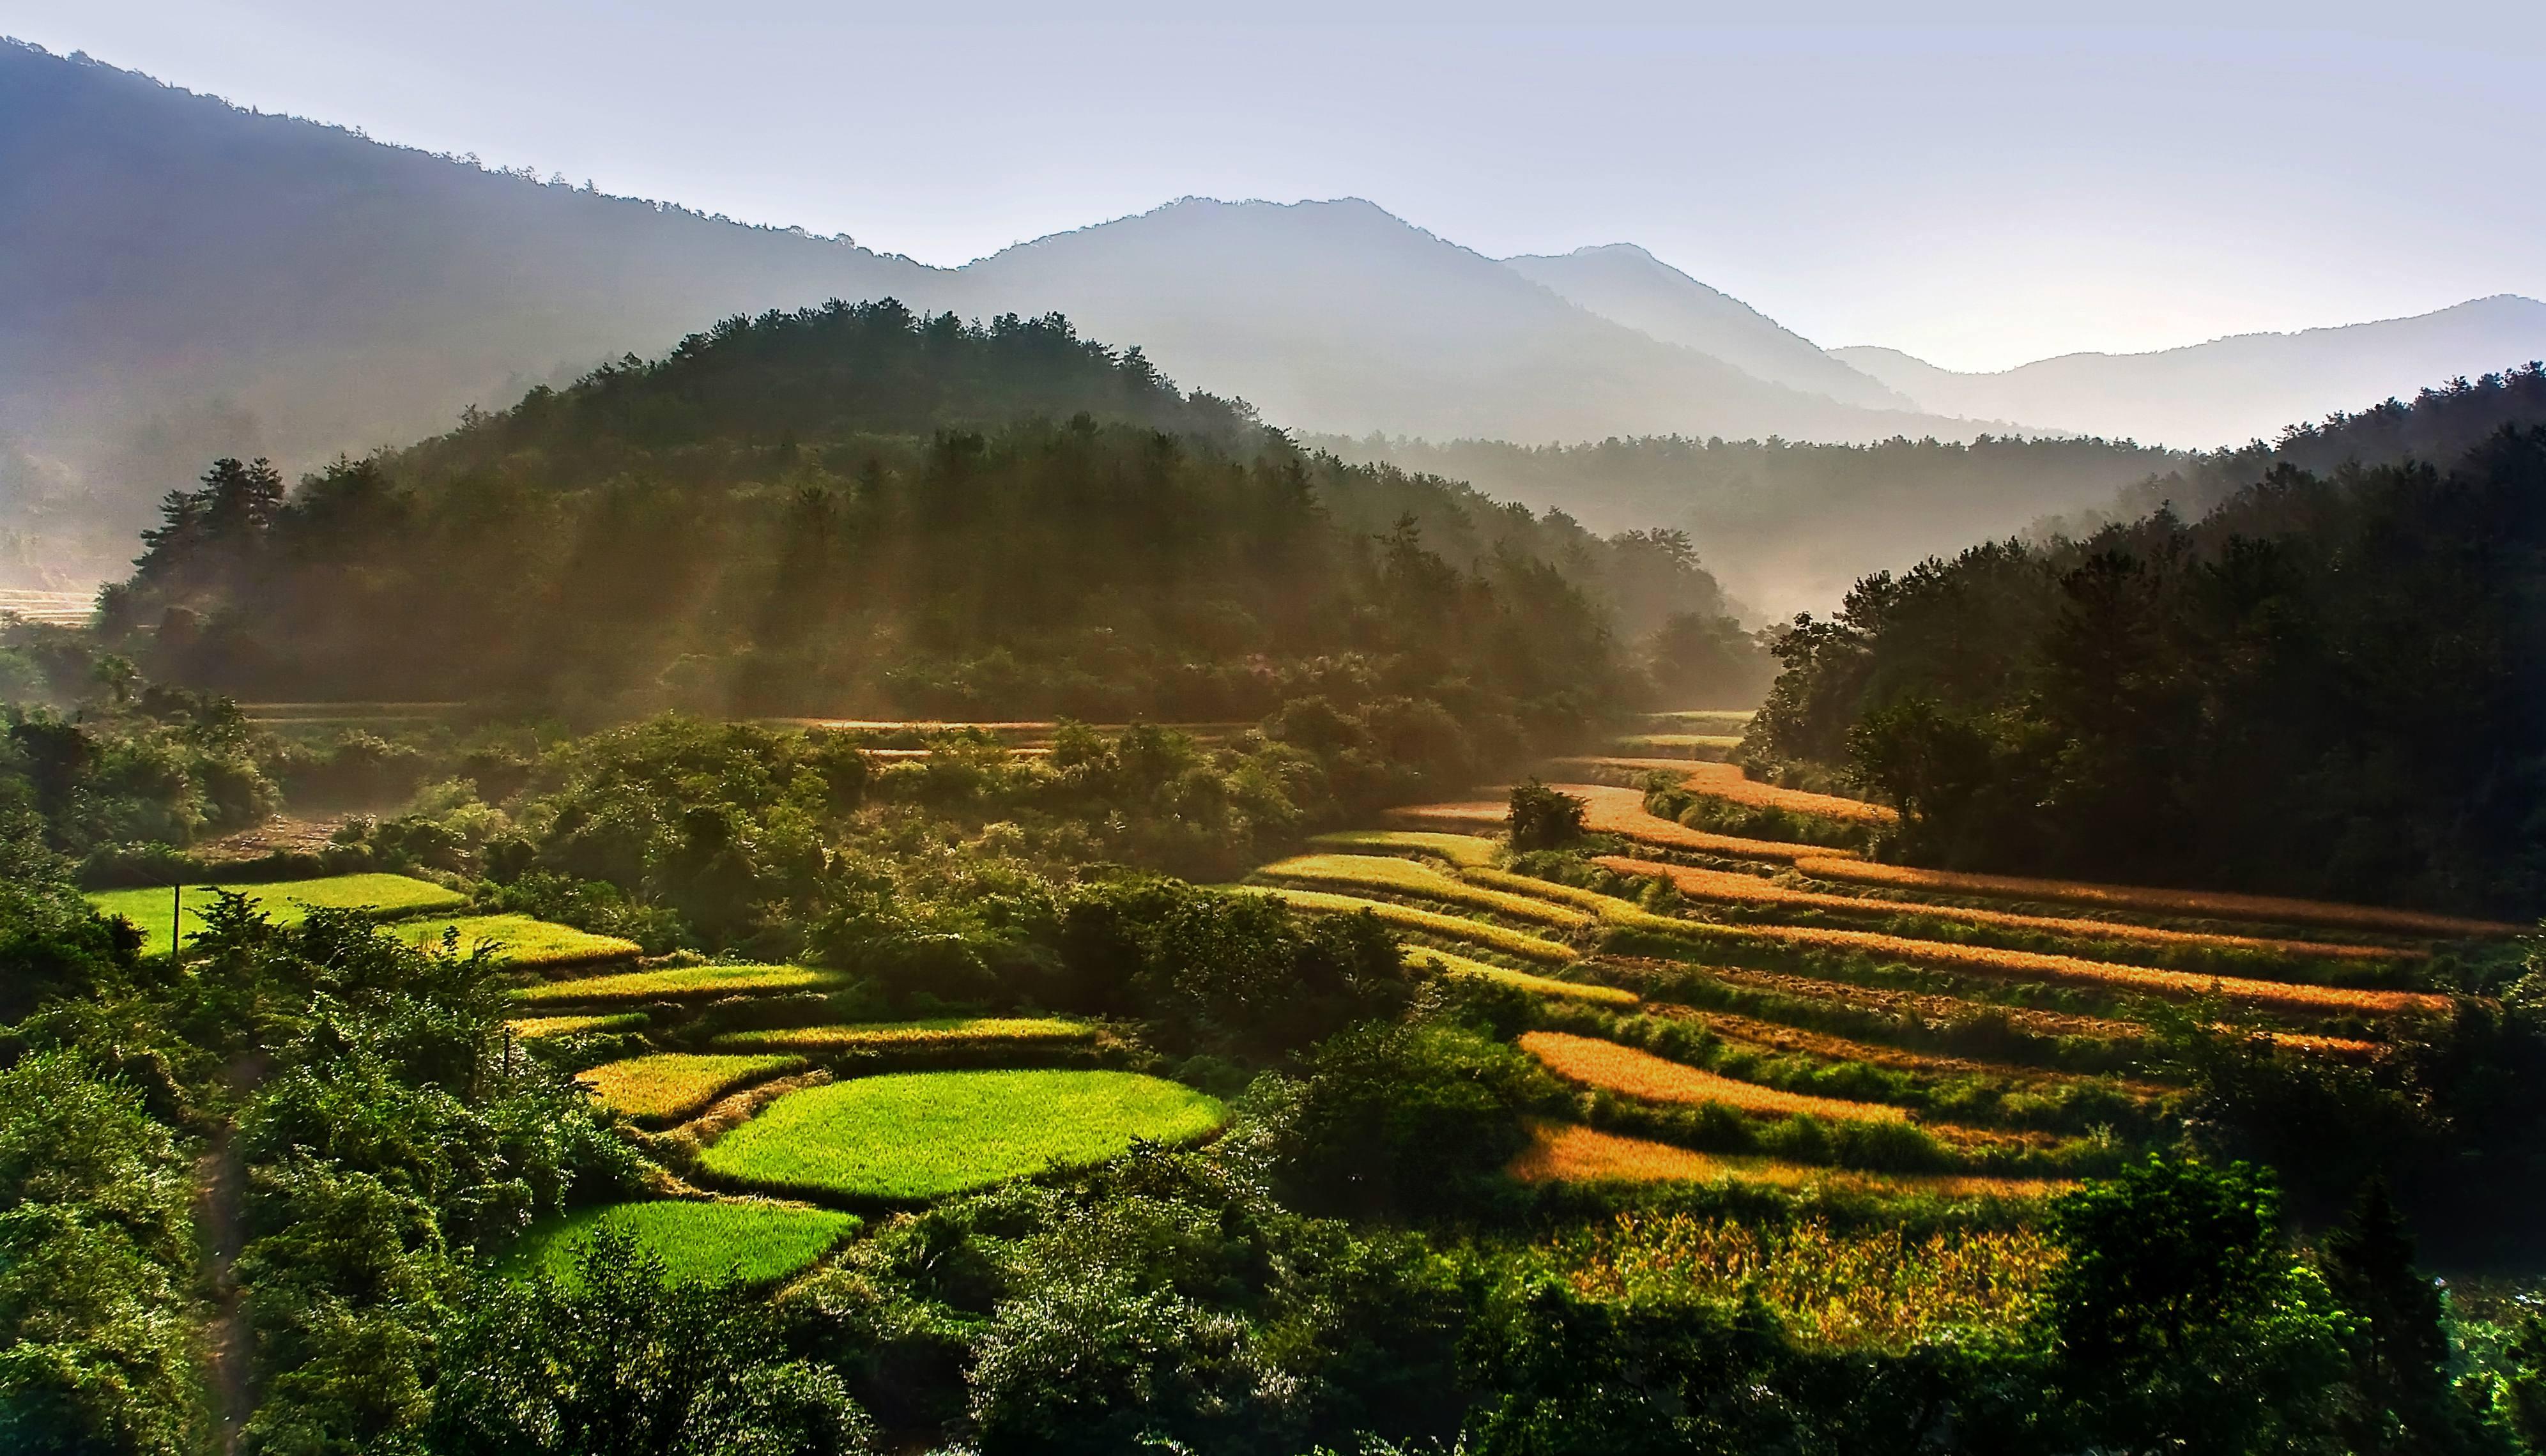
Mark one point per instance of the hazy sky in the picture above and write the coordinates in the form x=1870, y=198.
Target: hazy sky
x=1976, y=187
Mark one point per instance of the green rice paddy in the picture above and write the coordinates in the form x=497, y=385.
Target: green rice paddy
x=925, y=1135
x=686, y=983
x=520, y=939
x=532, y=1028
x=747, y=1242
x=284, y=902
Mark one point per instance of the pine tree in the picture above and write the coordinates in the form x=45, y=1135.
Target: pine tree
x=2399, y=1400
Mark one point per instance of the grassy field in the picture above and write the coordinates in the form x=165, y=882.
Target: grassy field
x=532, y=1028
x=520, y=939
x=914, y=1135
x=670, y=1085
x=1387, y=873
x=1463, y=850
x=1610, y=810
x=284, y=902
x=2190, y=902
x=2039, y=966
x=1731, y=888
x=1428, y=922
x=736, y=1241
x=1692, y=744
x=686, y=983
x=1830, y=1287
x=1566, y=1152
x=1544, y=986
x=1630, y=1073
x=1726, y=781
x=942, y=1031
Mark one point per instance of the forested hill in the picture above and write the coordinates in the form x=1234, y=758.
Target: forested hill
x=2328, y=685
x=861, y=510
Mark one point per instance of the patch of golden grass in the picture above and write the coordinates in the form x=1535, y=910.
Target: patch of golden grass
x=672, y=1084
x=1726, y=781
x=1414, y=877
x=1697, y=747
x=1630, y=1073
x=2216, y=905
x=1989, y=961
x=532, y=1028
x=1407, y=918
x=1729, y=887
x=1544, y=986
x=1874, y=1286
x=1568, y=1152
x=1609, y=809
x=685, y=983
x=1459, y=849
x=943, y=1031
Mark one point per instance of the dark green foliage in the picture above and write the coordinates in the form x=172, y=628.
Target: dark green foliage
x=2181, y=1318
x=2324, y=688
x=1404, y=1119
x=619, y=1362
x=855, y=505
x=1542, y=819
x=98, y=1339
x=2397, y=1399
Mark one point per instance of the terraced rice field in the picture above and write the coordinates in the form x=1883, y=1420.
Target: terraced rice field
x=1567, y=1153
x=687, y=982
x=533, y=1028
x=1693, y=746
x=2291, y=995
x=1515, y=943
x=914, y=1135
x=1609, y=809
x=667, y=1086
x=1464, y=850
x=946, y=1030
x=1630, y=1073
x=519, y=940
x=284, y=902
x=745, y=1241
x=1726, y=781
x=2185, y=902
x=1731, y=888
x=1389, y=875
x=1543, y=986
x=55, y=608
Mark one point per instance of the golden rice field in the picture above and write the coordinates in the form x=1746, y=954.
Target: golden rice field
x=1427, y=923
x=942, y=1031
x=1596, y=905
x=1544, y=986
x=519, y=940
x=669, y=1085
x=533, y=1028
x=1989, y=961
x=1692, y=745
x=1878, y=1286
x=1729, y=887
x=1609, y=809
x=1630, y=1073
x=1735, y=721
x=1412, y=877
x=686, y=983
x=1464, y=850
x=1568, y=1152
x=1726, y=781
x=2203, y=903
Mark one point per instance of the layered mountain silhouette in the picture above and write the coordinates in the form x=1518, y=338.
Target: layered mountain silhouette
x=2231, y=390
x=181, y=279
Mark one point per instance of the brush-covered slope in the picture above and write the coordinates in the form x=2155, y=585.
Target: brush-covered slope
x=2227, y=392
x=861, y=510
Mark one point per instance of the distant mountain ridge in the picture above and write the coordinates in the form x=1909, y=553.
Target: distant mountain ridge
x=2230, y=390
x=1623, y=282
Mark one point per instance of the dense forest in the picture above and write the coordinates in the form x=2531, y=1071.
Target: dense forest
x=2325, y=685
x=861, y=510
x=1790, y=524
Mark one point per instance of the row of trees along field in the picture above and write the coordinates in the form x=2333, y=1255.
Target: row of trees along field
x=857, y=505
x=2328, y=685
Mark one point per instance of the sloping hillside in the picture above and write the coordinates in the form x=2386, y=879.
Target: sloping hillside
x=2227, y=392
